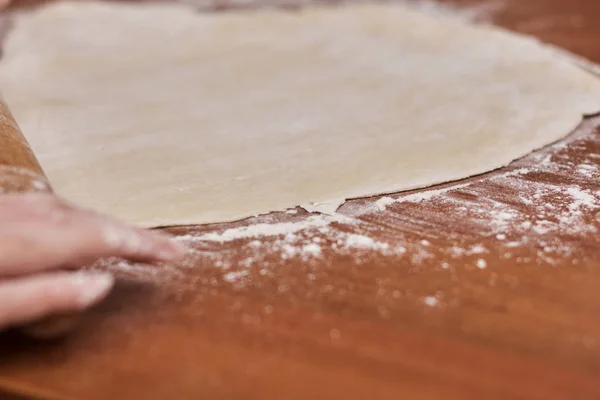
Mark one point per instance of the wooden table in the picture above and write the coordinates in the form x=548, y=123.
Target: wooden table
x=487, y=288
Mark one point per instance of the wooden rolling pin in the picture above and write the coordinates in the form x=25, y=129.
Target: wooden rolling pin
x=20, y=171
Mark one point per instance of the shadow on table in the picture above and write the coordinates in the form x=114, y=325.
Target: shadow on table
x=127, y=298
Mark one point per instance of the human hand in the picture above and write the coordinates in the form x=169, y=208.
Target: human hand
x=41, y=235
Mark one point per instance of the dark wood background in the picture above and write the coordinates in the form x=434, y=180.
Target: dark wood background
x=431, y=321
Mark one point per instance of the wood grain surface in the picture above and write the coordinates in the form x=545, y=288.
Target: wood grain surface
x=19, y=168
x=485, y=288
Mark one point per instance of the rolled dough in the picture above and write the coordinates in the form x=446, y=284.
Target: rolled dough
x=162, y=116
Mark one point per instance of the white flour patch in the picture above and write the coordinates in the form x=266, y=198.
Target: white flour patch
x=431, y=301
x=259, y=230
x=417, y=197
x=309, y=241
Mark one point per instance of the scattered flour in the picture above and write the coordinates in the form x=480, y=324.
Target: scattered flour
x=481, y=263
x=431, y=301
x=259, y=230
x=384, y=202
x=233, y=277
x=582, y=198
x=18, y=179
x=306, y=240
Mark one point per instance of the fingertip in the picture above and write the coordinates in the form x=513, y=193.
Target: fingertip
x=155, y=246
x=171, y=250
x=91, y=287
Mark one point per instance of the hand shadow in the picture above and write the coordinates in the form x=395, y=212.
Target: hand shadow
x=127, y=297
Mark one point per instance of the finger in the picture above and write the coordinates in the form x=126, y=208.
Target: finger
x=129, y=242
x=27, y=299
x=75, y=237
x=136, y=244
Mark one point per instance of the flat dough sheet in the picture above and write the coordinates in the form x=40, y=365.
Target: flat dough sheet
x=162, y=116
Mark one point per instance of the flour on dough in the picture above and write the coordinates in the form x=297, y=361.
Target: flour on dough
x=161, y=116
